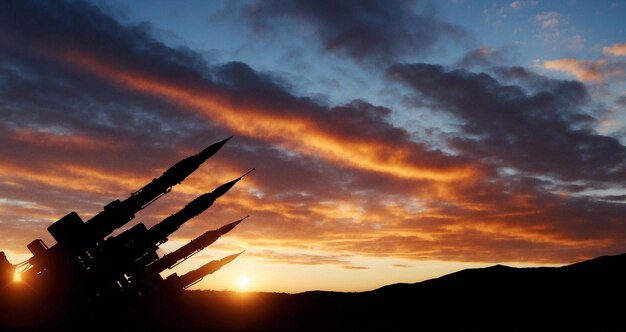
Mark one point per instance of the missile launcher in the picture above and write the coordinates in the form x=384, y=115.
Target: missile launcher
x=88, y=267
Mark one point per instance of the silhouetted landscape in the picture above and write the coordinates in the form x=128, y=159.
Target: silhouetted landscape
x=587, y=296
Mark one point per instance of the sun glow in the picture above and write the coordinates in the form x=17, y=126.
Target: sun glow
x=17, y=277
x=243, y=282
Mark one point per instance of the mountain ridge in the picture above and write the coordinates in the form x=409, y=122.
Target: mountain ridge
x=579, y=296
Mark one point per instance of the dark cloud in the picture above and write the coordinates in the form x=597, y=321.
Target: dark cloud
x=39, y=27
x=485, y=57
x=363, y=30
x=537, y=135
x=543, y=131
x=62, y=98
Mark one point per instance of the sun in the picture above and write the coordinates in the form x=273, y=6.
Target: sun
x=243, y=282
x=17, y=277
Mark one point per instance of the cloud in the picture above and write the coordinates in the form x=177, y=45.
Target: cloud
x=362, y=30
x=299, y=124
x=484, y=57
x=603, y=70
x=576, y=43
x=615, y=50
x=350, y=267
x=228, y=95
x=552, y=28
x=548, y=20
x=538, y=137
x=584, y=70
x=303, y=259
x=499, y=117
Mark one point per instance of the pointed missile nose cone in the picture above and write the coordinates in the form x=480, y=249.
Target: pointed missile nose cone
x=217, y=264
x=227, y=228
x=221, y=190
x=213, y=148
x=230, y=258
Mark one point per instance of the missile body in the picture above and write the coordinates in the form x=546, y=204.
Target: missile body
x=130, y=252
x=117, y=213
x=78, y=235
x=174, y=258
x=160, y=231
x=175, y=283
x=79, y=243
x=196, y=275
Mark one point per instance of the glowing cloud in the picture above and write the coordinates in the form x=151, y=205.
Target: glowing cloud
x=584, y=70
x=299, y=132
x=615, y=50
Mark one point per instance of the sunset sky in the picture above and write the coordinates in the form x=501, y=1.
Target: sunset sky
x=393, y=141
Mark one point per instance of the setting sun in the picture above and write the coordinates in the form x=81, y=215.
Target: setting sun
x=17, y=277
x=243, y=282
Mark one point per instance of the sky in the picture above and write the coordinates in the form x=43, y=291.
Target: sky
x=392, y=141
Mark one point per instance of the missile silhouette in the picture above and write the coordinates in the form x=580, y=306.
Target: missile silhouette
x=71, y=230
x=192, y=277
x=134, y=249
x=159, y=232
x=194, y=246
x=90, y=266
x=117, y=213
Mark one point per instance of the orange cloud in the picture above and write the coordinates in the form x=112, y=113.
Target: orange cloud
x=70, y=177
x=503, y=229
x=294, y=131
x=63, y=140
x=584, y=70
x=615, y=50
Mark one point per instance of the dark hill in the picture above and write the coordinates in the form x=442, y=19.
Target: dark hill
x=587, y=296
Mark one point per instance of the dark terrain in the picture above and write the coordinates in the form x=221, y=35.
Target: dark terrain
x=587, y=296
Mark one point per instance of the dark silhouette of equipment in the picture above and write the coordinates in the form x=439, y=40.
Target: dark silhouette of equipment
x=6, y=270
x=88, y=267
x=181, y=254
x=175, y=284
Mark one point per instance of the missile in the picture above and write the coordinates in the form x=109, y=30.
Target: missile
x=192, y=277
x=134, y=246
x=194, y=246
x=87, y=266
x=159, y=232
x=118, y=213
